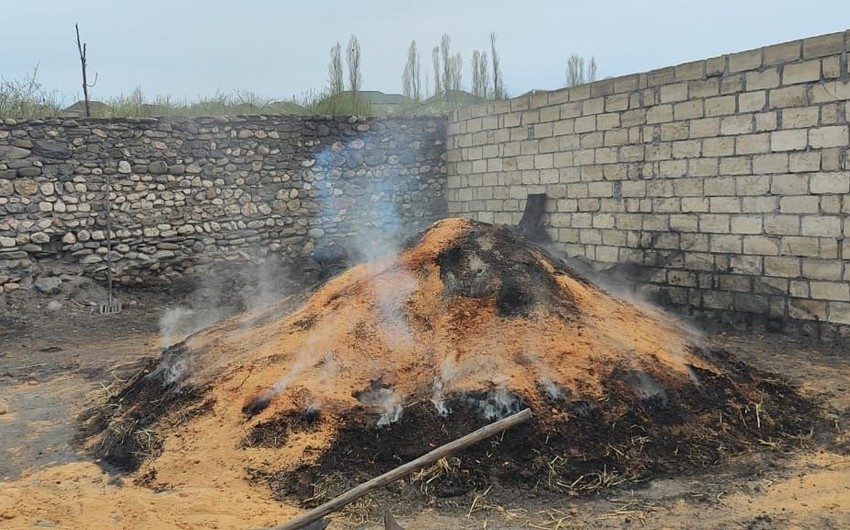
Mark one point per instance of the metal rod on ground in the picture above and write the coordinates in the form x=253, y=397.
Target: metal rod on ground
x=404, y=470
x=109, y=236
x=111, y=306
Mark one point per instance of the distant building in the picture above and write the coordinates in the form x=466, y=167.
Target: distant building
x=456, y=97
x=530, y=93
x=78, y=109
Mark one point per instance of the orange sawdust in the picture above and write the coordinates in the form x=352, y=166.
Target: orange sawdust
x=390, y=321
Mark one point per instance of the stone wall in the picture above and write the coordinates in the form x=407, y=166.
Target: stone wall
x=186, y=192
x=727, y=178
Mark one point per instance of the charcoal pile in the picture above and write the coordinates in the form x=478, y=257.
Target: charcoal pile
x=466, y=324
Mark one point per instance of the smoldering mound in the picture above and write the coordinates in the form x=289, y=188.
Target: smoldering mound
x=467, y=324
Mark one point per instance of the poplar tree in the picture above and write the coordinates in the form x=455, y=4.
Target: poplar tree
x=411, y=79
x=335, y=81
x=355, y=79
x=498, y=82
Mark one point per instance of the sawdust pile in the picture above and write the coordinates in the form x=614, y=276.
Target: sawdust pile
x=465, y=325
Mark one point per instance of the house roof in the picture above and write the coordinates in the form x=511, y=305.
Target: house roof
x=456, y=96
x=80, y=106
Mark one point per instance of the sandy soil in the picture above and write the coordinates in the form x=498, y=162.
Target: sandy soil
x=52, y=364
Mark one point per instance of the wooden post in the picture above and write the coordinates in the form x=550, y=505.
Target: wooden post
x=400, y=472
x=530, y=226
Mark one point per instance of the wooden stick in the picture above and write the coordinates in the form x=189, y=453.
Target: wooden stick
x=404, y=470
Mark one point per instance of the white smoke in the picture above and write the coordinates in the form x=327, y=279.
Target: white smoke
x=378, y=229
x=628, y=281
x=498, y=404
x=368, y=225
x=390, y=404
x=169, y=323
x=552, y=390
x=179, y=322
x=692, y=375
x=252, y=282
x=393, y=410
x=267, y=283
x=174, y=366
x=439, y=400
x=311, y=412
x=550, y=387
x=647, y=387
x=447, y=374
x=391, y=300
x=327, y=368
x=175, y=371
x=302, y=361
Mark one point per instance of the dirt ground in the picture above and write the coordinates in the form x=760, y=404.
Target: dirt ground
x=53, y=362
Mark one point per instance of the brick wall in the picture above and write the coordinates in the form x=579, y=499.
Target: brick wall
x=727, y=178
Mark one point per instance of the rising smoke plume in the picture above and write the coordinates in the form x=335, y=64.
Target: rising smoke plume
x=387, y=402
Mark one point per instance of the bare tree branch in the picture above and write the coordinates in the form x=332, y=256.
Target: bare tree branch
x=81, y=48
x=591, y=70
x=578, y=73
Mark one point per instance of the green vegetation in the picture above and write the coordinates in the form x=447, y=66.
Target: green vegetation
x=345, y=103
x=440, y=94
x=312, y=103
x=26, y=97
x=136, y=105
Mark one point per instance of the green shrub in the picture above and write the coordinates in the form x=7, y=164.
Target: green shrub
x=27, y=98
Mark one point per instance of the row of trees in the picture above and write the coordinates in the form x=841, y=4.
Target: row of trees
x=487, y=79
x=448, y=71
x=336, y=75
x=580, y=71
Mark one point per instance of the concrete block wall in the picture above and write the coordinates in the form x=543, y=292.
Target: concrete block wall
x=728, y=178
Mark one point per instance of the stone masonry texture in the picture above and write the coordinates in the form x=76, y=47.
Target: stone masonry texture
x=187, y=192
x=726, y=179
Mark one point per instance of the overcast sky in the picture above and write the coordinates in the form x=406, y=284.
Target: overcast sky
x=279, y=48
